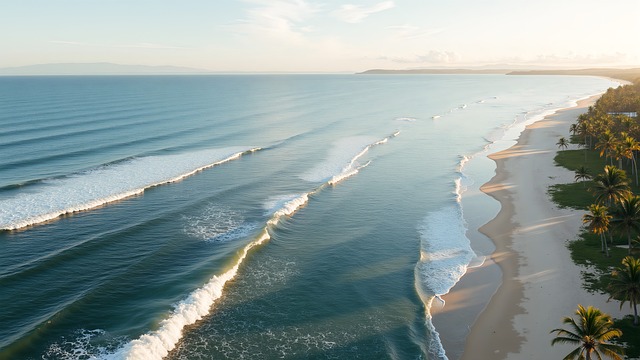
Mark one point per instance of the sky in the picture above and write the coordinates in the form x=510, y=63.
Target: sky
x=321, y=35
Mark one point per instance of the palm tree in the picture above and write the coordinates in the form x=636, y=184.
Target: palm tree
x=573, y=129
x=610, y=186
x=618, y=153
x=591, y=332
x=607, y=144
x=583, y=129
x=626, y=216
x=598, y=223
x=563, y=143
x=631, y=145
x=625, y=285
x=582, y=174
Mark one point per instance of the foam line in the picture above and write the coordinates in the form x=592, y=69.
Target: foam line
x=79, y=192
x=334, y=168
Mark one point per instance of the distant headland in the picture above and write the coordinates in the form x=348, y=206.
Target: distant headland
x=623, y=74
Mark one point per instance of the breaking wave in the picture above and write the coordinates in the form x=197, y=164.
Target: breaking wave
x=50, y=199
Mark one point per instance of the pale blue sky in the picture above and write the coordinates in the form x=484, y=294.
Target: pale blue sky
x=328, y=35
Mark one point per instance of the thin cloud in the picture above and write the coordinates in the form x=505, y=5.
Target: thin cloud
x=432, y=57
x=276, y=18
x=571, y=58
x=354, y=14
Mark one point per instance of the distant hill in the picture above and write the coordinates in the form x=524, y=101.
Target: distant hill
x=436, y=71
x=97, y=69
x=632, y=75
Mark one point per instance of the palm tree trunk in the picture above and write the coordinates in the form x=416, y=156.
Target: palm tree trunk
x=629, y=239
x=635, y=166
x=585, y=149
x=605, y=247
x=635, y=314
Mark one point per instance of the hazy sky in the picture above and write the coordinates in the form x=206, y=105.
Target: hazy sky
x=320, y=35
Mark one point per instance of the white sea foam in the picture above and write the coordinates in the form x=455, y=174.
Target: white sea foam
x=445, y=250
x=289, y=206
x=106, y=184
x=79, y=346
x=218, y=224
x=445, y=255
x=341, y=163
x=340, y=158
x=347, y=174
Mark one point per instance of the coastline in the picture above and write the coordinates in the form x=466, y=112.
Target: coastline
x=505, y=308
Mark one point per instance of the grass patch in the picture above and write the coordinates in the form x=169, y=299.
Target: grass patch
x=630, y=336
x=574, y=159
x=574, y=195
x=587, y=251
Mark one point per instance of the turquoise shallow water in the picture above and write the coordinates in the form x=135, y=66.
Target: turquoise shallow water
x=255, y=216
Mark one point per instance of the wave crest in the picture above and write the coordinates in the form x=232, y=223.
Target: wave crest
x=54, y=198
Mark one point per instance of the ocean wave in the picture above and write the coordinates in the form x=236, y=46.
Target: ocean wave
x=158, y=343
x=445, y=254
x=341, y=163
x=445, y=250
x=53, y=198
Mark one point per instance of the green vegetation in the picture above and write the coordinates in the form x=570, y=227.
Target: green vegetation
x=629, y=338
x=573, y=196
x=625, y=285
x=606, y=184
x=591, y=332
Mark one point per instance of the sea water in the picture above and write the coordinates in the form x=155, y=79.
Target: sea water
x=246, y=216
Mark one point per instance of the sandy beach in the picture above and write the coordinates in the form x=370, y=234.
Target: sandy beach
x=537, y=283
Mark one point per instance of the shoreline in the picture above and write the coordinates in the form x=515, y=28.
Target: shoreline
x=505, y=308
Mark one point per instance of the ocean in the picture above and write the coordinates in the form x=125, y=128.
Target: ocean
x=247, y=216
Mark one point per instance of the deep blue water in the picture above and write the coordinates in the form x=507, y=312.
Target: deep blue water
x=255, y=216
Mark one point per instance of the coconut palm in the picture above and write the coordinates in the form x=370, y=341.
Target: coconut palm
x=598, y=221
x=626, y=216
x=618, y=153
x=625, y=285
x=582, y=174
x=607, y=144
x=630, y=146
x=563, y=143
x=591, y=332
x=583, y=129
x=610, y=186
x=573, y=129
